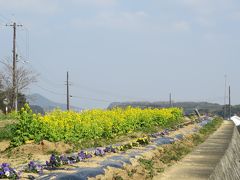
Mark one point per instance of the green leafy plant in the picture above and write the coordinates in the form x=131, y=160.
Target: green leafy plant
x=27, y=128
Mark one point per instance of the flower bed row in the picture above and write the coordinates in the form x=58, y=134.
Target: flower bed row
x=57, y=161
x=7, y=172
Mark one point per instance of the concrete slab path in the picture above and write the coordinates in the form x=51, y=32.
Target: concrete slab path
x=201, y=162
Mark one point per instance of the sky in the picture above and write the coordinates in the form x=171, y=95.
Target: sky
x=126, y=50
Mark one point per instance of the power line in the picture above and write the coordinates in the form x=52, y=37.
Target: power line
x=44, y=79
x=92, y=99
x=4, y=18
x=74, y=96
x=98, y=91
x=25, y=40
x=76, y=85
x=50, y=91
x=2, y=22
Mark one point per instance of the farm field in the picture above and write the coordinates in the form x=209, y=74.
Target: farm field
x=33, y=138
x=65, y=132
x=90, y=127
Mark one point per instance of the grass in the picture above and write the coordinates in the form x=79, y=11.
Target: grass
x=10, y=116
x=175, y=152
x=117, y=177
x=210, y=127
x=148, y=165
x=6, y=125
x=6, y=132
x=54, y=152
x=132, y=172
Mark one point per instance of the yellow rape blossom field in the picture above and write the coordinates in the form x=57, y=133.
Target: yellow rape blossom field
x=70, y=126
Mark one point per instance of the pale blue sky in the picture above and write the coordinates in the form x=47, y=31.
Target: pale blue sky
x=125, y=50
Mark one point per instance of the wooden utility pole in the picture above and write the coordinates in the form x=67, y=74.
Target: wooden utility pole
x=68, y=106
x=170, y=99
x=225, y=98
x=230, y=110
x=14, y=83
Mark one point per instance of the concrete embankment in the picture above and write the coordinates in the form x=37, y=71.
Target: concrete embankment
x=217, y=158
x=229, y=165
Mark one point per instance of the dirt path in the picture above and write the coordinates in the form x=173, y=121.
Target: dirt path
x=201, y=162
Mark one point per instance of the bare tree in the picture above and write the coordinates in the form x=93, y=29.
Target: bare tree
x=24, y=77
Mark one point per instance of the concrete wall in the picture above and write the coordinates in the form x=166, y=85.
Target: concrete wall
x=228, y=167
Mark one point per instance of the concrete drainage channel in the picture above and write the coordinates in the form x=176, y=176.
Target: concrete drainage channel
x=118, y=160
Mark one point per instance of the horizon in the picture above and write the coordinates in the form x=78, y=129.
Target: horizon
x=166, y=102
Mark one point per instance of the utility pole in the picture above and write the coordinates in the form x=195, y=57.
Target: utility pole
x=68, y=107
x=15, y=103
x=225, y=97
x=230, y=110
x=170, y=99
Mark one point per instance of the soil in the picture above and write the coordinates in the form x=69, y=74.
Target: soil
x=31, y=151
x=4, y=145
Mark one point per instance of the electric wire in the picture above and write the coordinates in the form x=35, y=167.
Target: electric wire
x=4, y=18
x=76, y=85
x=92, y=99
x=50, y=91
x=74, y=96
x=44, y=79
x=100, y=91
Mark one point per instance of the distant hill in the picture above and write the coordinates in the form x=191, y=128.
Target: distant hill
x=46, y=104
x=188, y=107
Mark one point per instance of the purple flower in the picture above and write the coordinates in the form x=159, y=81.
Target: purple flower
x=47, y=163
x=6, y=169
x=107, y=149
x=113, y=150
x=39, y=169
x=80, y=158
x=52, y=158
x=5, y=165
x=82, y=155
x=110, y=149
x=55, y=161
x=88, y=156
x=64, y=159
x=33, y=167
x=99, y=152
